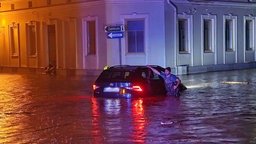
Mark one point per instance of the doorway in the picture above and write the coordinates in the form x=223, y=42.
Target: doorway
x=52, y=44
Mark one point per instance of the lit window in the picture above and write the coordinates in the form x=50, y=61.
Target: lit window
x=135, y=38
x=91, y=37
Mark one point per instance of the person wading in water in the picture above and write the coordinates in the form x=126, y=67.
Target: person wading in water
x=172, y=82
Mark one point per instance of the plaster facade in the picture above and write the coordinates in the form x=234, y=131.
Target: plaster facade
x=34, y=33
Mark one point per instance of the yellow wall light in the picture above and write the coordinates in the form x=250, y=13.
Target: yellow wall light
x=3, y=22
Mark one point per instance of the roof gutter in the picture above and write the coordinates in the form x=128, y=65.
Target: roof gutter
x=175, y=33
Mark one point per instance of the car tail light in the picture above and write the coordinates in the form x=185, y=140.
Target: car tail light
x=137, y=88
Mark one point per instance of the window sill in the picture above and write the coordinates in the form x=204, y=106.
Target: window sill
x=229, y=50
x=183, y=52
x=208, y=51
x=249, y=49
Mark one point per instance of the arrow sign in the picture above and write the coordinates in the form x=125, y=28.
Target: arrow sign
x=113, y=35
x=117, y=28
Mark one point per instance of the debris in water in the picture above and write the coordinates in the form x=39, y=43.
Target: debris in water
x=167, y=123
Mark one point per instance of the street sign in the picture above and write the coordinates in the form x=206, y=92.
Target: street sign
x=113, y=35
x=116, y=28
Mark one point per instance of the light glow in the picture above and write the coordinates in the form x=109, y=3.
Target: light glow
x=137, y=88
x=234, y=82
x=122, y=91
x=94, y=87
x=3, y=22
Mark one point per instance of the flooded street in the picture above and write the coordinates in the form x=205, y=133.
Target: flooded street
x=217, y=107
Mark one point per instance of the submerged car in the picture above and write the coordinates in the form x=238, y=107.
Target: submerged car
x=126, y=81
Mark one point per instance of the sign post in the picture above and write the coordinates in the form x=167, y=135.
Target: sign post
x=116, y=28
x=116, y=32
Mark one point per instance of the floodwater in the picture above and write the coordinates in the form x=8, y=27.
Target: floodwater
x=217, y=107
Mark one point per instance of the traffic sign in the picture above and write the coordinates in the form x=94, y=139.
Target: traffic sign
x=113, y=35
x=116, y=28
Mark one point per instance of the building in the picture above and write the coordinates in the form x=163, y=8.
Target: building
x=82, y=36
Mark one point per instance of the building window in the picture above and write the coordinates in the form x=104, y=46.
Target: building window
x=136, y=36
x=14, y=39
x=208, y=33
x=89, y=26
x=30, y=4
x=184, y=33
x=12, y=6
x=230, y=33
x=31, y=39
x=249, y=34
x=91, y=37
x=49, y=2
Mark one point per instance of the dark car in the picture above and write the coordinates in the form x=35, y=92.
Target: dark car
x=129, y=81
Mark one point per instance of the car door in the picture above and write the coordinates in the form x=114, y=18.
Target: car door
x=142, y=80
x=157, y=83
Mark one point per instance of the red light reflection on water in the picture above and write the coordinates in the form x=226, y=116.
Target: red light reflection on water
x=96, y=131
x=139, y=121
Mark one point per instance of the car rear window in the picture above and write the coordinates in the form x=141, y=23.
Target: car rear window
x=140, y=73
x=117, y=75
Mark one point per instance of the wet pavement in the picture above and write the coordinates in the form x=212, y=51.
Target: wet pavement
x=217, y=107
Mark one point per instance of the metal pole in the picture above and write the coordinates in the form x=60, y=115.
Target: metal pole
x=120, y=51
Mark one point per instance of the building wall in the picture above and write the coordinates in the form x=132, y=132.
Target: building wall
x=161, y=33
x=67, y=17
x=219, y=10
x=153, y=13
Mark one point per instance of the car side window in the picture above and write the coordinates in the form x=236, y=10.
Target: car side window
x=143, y=74
x=127, y=75
x=105, y=75
x=153, y=75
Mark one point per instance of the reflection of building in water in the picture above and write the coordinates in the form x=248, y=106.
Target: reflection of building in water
x=79, y=36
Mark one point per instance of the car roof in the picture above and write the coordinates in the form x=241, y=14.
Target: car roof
x=106, y=74
x=132, y=67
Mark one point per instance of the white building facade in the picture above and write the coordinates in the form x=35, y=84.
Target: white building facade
x=82, y=36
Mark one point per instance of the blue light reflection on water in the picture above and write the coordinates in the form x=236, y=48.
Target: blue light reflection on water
x=57, y=110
